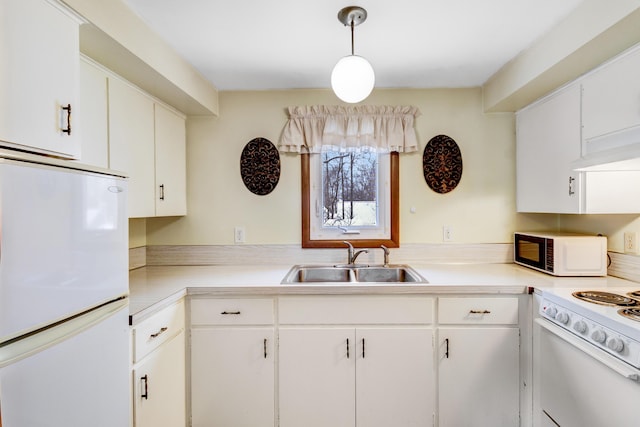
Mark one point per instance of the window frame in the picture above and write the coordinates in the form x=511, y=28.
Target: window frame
x=394, y=210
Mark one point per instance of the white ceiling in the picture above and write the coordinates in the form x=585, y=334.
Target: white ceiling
x=283, y=44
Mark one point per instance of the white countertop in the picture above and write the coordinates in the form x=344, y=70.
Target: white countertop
x=154, y=287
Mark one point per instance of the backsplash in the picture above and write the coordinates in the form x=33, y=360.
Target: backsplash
x=622, y=265
x=293, y=254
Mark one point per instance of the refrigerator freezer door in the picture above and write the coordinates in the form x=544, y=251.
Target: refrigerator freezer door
x=63, y=244
x=75, y=374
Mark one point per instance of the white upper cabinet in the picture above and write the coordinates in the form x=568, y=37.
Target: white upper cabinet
x=548, y=140
x=94, y=123
x=593, y=114
x=611, y=97
x=39, y=50
x=171, y=179
x=131, y=144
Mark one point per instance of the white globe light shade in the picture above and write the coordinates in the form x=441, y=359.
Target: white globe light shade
x=352, y=79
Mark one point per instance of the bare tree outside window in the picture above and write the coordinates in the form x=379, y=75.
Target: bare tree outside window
x=349, y=189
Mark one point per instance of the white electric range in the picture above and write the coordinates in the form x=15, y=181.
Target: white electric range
x=587, y=356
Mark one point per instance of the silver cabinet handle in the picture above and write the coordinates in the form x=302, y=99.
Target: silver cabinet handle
x=161, y=191
x=157, y=334
x=479, y=312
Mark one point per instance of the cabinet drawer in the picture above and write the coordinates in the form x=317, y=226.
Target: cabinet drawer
x=157, y=329
x=232, y=311
x=482, y=311
x=331, y=310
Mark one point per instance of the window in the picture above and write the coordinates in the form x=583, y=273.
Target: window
x=350, y=196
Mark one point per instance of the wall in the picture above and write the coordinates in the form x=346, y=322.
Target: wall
x=480, y=210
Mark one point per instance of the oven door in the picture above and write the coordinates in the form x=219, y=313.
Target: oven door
x=577, y=384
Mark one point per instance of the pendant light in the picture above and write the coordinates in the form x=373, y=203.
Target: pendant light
x=352, y=78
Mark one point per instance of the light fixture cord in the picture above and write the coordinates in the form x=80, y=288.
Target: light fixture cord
x=352, y=50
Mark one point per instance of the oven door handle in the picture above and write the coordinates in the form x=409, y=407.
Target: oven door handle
x=620, y=367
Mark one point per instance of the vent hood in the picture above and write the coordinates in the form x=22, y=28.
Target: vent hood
x=615, y=151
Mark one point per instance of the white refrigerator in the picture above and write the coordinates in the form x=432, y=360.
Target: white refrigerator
x=64, y=340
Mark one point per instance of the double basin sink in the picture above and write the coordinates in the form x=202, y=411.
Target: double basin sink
x=354, y=273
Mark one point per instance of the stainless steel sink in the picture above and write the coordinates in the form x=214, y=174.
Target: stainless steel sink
x=352, y=274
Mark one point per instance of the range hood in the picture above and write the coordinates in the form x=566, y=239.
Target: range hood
x=616, y=151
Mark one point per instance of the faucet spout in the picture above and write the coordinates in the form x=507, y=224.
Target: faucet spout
x=355, y=255
x=349, y=251
x=386, y=255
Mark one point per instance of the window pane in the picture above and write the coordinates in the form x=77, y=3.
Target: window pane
x=349, y=189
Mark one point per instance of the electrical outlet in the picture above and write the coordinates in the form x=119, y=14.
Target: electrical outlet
x=631, y=242
x=238, y=235
x=447, y=233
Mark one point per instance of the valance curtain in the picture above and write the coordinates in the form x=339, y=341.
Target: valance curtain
x=312, y=129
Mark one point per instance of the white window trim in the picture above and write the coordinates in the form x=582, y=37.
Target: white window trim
x=316, y=229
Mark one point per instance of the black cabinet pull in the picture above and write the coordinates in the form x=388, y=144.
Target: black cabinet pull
x=225, y=313
x=67, y=130
x=479, y=312
x=347, y=348
x=265, y=348
x=446, y=351
x=145, y=394
x=363, y=348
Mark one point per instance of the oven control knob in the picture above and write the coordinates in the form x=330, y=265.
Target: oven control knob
x=551, y=312
x=580, y=326
x=563, y=318
x=616, y=345
x=599, y=336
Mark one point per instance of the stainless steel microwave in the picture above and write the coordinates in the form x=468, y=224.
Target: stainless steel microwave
x=562, y=254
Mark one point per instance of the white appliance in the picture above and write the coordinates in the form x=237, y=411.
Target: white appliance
x=586, y=357
x=63, y=295
x=562, y=254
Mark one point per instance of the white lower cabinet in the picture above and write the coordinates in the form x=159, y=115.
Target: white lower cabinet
x=377, y=373
x=159, y=369
x=478, y=362
x=232, y=362
x=356, y=377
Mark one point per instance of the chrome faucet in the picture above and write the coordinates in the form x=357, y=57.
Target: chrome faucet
x=386, y=255
x=351, y=256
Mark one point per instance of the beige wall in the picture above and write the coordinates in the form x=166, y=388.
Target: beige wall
x=480, y=210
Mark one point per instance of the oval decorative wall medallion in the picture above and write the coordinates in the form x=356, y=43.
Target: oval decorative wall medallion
x=442, y=164
x=260, y=166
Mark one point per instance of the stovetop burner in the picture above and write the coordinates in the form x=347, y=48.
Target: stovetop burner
x=634, y=294
x=606, y=298
x=632, y=313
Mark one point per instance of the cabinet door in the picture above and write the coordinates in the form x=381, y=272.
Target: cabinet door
x=159, y=386
x=548, y=140
x=171, y=169
x=317, y=377
x=479, y=377
x=93, y=115
x=232, y=381
x=39, y=50
x=611, y=97
x=131, y=144
x=395, y=383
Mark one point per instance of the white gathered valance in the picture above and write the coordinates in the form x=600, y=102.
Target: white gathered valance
x=312, y=129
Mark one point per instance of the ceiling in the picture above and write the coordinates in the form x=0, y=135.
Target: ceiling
x=286, y=44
